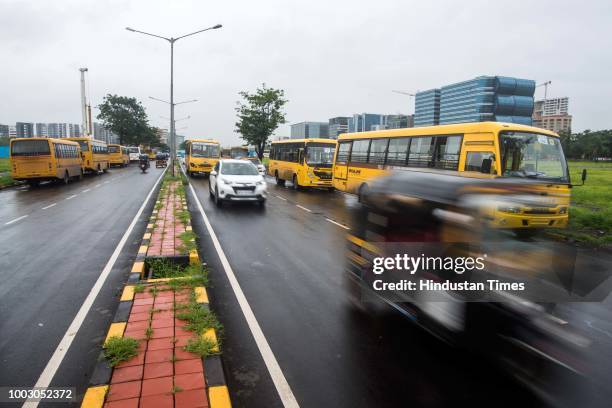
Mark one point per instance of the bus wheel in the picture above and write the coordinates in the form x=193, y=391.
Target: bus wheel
x=296, y=186
x=105, y=169
x=279, y=182
x=33, y=183
x=98, y=172
x=66, y=178
x=363, y=190
x=331, y=189
x=80, y=176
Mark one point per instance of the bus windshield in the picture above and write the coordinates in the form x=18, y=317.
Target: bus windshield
x=30, y=148
x=84, y=145
x=204, y=150
x=134, y=149
x=320, y=154
x=532, y=155
x=113, y=149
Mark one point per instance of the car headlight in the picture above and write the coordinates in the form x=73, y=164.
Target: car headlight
x=509, y=209
x=226, y=181
x=259, y=183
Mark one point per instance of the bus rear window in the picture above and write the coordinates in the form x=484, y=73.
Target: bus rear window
x=30, y=148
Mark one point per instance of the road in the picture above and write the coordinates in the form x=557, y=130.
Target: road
x=288, y=259
x=55, y=240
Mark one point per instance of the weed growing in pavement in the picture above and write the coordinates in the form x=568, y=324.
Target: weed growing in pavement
x=183, y=215
x=201, y=346
x=198, y=318
x=120, y=349
x=149, y=333
x=176, y=388
x=153, y=291
x=188, y=242
x=139, y=288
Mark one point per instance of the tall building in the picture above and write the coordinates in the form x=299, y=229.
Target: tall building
x=102, y=133
x=4, y=130
x=427, y=108
x=74, y=130
x=57, y=130
x=12, y=131
x=337, y=126
x=310, y=130
x=553, y=114
x=398, y=121
x=41, y=130
x=364, y=122
x=485, y=98
x=24, y=129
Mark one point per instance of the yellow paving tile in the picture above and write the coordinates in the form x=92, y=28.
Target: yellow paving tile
x=128, y=293
x=218, y=397
x=194, y=259
x=115, y=330
x=138, y=267
x=94, y=397
x=147, y=235
x=143, y=249
x=201, y=294
x=211, y=335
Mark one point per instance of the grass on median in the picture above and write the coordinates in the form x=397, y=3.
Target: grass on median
x=5, y=165
x=590, y=217
x=6, y=180
x=120, y=349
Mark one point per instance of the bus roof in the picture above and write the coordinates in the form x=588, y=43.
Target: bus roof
x=50, y=139
x=456, y=128
x=310, y=140
x=86, y=139
x=202, y=141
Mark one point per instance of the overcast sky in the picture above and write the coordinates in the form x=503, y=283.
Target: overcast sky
x=331, y=57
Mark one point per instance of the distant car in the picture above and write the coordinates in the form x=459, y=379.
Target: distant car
x=236, y=180
x=260, y=167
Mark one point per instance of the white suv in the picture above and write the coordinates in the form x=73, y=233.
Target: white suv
x=236, y=180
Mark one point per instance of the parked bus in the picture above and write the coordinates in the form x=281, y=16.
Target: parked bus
x=118, y=155
x=41, y=159
x=94, y=153
x=304, y=162
x=239, y=152
x=201, y=155
x=134, y=152
x=493, y=148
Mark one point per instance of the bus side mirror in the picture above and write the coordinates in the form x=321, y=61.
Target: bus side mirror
x=486, y=166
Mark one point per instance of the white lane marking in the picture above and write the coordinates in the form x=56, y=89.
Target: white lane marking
x=338, y=224
x=86, y=190
x=49, y=206
x=62, y=348
x=71, y=197
x=280, y=382
x=303, y=208
x=97, y=185
x=279, y=197
x=15, y=220
x=106, y=182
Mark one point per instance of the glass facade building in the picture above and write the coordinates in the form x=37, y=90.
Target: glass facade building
x=365, y=122
x=308, y=130
x=485, y=98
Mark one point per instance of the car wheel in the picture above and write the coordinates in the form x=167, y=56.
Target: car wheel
x=210, y=192
x=218, y=200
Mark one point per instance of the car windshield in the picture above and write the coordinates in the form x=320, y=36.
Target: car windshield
x=204, y=150
x=532, y=155
x=320, y=155
x=239, y=169
x=30, y=148
x=134, y=150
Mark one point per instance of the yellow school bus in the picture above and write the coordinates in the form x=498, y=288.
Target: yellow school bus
x=493, y=148
x=118, y=155
x=304, y=162
x=201, y=155
x=41, y=159
x=94, y=153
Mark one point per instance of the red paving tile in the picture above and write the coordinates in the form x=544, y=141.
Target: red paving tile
x=181, y=354
x=156, y=370
x=161, y=323
x=155, y=386
x=183, y=340
x=141, y=309
x=157, y=401
x=159, y=356
x=160, y=344
x=191, y=399
x=188, y=366
x=142, y=324
x=163, y=332
x=181, y=332
x=139, y=359
x=163, y=314
x=136, y=317
x=123, y=391
x=143, y=302
x=191, y=381
x=126, y=403
x=139, y=334
x=126, y=374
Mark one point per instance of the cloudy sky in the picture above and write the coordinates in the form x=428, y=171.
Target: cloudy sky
x=332, y=57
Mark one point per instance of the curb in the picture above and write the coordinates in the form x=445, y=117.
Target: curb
x=214, y=373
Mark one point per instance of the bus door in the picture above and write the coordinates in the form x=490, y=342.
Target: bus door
x=342, y=159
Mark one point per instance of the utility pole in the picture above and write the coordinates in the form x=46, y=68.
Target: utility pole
x=84, y=113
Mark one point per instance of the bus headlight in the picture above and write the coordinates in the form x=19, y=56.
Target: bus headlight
x=563, y=210
x=311, y=174
x=509, y=209
x=192, y=165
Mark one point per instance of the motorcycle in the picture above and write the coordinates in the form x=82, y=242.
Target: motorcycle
x=144, y=165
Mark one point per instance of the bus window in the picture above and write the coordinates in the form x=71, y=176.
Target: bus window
x=378, y=150
x=447, y=152
x=344, y=150
x=421, y=152
x=30, y=148
x=359, y=153
x=473, y=161
x=398, y=149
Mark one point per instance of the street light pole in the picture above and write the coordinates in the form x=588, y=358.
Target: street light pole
x=172, y=40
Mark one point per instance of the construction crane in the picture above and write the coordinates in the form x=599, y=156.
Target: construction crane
x=545, y=85
x=410, y=95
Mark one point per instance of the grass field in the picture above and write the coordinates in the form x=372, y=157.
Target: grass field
x=5, y=178
x=5, y=165
x=591, y=210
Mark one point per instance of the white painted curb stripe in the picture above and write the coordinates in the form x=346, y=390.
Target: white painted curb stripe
x=280, y=382
x=303, y=208
x=338, y=224
x=62, y=348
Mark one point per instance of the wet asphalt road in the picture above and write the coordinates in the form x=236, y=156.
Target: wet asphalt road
x=49, y=262
x=289, y=263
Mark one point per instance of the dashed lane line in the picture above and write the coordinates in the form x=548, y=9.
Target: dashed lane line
x=87, y=190
x=15, y=220
x=303, y=208
x=64, y=345
x=49, y=206
x=280, y=197
x=336, y=223
x=71, y=197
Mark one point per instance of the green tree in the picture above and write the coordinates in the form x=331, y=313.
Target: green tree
x=127, y=118
x=259, y=115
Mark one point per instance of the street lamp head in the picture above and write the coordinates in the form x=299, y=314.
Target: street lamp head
x=217, y=26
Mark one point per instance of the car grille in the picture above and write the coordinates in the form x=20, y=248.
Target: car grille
x=540, y=210
x=244, y=188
